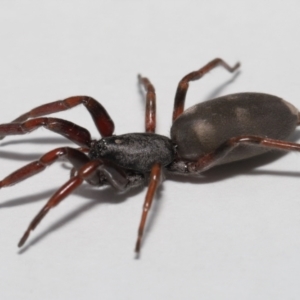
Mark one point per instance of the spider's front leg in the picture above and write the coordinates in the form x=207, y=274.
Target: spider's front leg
x=101, y=118
x=71, y=131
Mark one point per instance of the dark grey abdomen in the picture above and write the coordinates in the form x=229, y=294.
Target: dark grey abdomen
x=205, y=126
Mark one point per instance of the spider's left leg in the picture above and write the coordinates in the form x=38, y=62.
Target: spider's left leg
x=85, y=173
x=155, y=180
x=150, y=116
x=101, y=118
x=216, y=157
x=183, y=84
x=71, y=131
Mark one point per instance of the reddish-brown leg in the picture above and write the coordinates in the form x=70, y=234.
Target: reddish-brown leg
x=211, y=159
x=77, y=159
x=101, y=118
x=84, y=173
x=155, y=179
x=71, y=131
x=150, y=116
x=183, y=84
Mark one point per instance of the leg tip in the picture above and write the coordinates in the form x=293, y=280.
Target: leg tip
x=23, y=239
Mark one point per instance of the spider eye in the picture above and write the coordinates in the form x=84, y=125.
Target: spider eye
x=118, y=141
x=104, y=145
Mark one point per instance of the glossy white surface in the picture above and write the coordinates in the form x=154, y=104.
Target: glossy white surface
x=235, y=234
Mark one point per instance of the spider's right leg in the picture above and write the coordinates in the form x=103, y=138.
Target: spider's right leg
x=101, y=118
x=86, y=172
x=108, y=173
x=75, y=157
x=183, y=84
x=155, y=180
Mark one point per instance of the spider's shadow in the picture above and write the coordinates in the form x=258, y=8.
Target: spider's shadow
x=217, y=91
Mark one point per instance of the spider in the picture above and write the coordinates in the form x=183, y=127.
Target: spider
x=218, y=131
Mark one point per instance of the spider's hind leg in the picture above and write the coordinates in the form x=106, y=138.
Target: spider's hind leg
x=183, y=84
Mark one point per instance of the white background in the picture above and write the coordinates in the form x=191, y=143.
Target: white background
x=235, y=234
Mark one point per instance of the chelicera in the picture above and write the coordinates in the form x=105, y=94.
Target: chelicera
x=218, y=131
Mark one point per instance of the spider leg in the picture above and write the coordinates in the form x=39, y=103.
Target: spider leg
x=155, y=180
x=150, y=115
x=101, y=118
x=85, y=173
x=71, y=131
x=216, y=157
x=183, y=84
x=77, y=159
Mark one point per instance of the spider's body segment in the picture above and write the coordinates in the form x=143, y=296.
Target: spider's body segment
x=218, y=131
x=135, y=151
x=203, y=127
